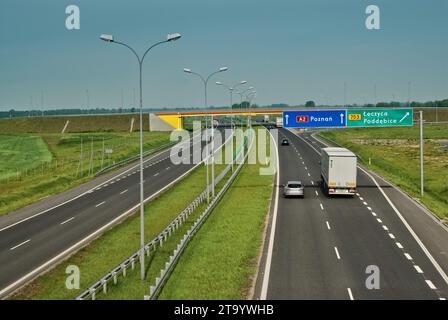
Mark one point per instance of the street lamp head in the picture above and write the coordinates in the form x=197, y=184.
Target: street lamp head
x=223, y=69
x=173, y=37
x=243, y=82
x=218, y=83
x=187, y=70
x=107, y=37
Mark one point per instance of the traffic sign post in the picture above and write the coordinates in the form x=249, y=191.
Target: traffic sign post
x=379, y=117
x=314, y=119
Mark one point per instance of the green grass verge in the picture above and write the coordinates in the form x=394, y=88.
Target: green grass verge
x=117, y=244
x=49, y=163
x=395, y=154
x=221, y=259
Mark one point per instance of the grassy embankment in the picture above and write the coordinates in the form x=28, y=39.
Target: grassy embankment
x=395, y=154
x=38, y=161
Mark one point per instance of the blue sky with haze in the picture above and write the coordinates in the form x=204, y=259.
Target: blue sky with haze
x=289, y=50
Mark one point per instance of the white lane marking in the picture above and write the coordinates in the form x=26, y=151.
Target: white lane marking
x=312, y=182
x=368, y=208
x=321, y=206
x=20, y=244
x=391, y=235
x=328, y=226
x=68, y=220
x=408, y=256
x=399, y=245
x=100, y=204
x=168, y=168
x=124, y=191
x=408, y=227
x=156, y=174
x=267, y=268
x=105, y=185
x=418, y=269
x=403, y=220
x=442, y=298
x=316, y=192
x=361, y=198
x=97, y=187
x=357, y=194
x=337, y=253
x=350, y=293
x=430, y=284
x=306, y=168
x=379, y=220
x=365, y=203
x=373, y=214
x=385, y=228
x=309, y=174
x=91, y=236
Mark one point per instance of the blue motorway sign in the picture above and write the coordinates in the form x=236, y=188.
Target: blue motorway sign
x=314, y=119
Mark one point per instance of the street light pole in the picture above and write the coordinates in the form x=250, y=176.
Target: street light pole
x=110, y=38
x=231, y=102
x=205, y=81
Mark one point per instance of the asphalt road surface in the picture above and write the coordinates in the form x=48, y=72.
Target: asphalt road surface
x=322, y=247
x=31, y=244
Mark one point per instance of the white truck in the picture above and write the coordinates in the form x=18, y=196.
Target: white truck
x=279, y=122
x=338, y=171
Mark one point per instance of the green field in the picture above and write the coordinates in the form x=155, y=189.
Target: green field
x=38, y=165
x=18, y=153
x=100, y=123
x=395, y=154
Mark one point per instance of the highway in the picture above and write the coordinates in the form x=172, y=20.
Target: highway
x=37, y=242
x=319, y=247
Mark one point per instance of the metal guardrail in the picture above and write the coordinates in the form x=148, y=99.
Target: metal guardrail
x=169, y=265
x=136, y=157
x=121, y=269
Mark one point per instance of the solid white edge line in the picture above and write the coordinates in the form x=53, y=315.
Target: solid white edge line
x=20, y=244
x=350, y=294
x=68, y=220
x=267, y=268
x=406, y=224
x=36, y=271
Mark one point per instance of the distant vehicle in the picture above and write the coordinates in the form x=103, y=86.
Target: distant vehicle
x=285, y=142
x=338, y=171
x=293, y=189
x=279, y=122
x=266, y=118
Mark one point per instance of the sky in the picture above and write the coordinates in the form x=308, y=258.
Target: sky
x=290, y=51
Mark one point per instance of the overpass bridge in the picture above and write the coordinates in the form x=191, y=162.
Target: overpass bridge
x=167, y=121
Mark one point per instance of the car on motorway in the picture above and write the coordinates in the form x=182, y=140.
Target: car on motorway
x=293, y=189
x=285, y=142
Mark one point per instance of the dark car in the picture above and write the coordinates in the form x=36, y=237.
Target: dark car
x=285, y=142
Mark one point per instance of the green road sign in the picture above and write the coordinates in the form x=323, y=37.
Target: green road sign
x=379, y=117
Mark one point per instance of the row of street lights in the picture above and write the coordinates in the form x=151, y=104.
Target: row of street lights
x=170, y=38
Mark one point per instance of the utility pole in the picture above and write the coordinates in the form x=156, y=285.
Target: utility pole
x=421, y=154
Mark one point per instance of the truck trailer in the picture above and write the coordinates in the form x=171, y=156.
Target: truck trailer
x=338, y=171
x=279, y=122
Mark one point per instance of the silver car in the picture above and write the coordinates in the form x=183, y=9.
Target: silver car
x=293, y=189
